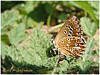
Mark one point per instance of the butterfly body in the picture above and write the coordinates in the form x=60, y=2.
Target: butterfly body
x=69, y=40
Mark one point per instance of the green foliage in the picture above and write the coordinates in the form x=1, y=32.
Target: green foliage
x=50, y=7
x=89, y=49
x=50, y=11
x=5, y=38
x=88, y=9
x=95, y=5
x=34, y=52
x=8, y=18
x=28, y=22
x=62, y=69
x=88, y=27
x=3, y=51
x=18, y=35
x=84, y=67
x=27, y=7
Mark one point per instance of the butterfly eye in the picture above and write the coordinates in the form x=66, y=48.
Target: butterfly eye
x=65, y=31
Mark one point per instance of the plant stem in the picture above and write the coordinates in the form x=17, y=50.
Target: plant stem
x=54, y=70
x=48, y=20
x=55, y=27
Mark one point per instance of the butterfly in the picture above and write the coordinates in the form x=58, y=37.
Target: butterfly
x=69, y=40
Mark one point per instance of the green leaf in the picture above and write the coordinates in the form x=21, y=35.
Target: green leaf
x=29, y=23
x=87, y=8
x=18, y=35
x=8, y=18
x=29, y=6
x=88, y=27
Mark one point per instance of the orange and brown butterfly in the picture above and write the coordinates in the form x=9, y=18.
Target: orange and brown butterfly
x=69, y=40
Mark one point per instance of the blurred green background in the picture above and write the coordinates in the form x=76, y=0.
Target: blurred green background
x=25, y=43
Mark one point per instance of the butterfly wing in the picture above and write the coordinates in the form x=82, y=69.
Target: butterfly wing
x=65, y=31
x=69, y=40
